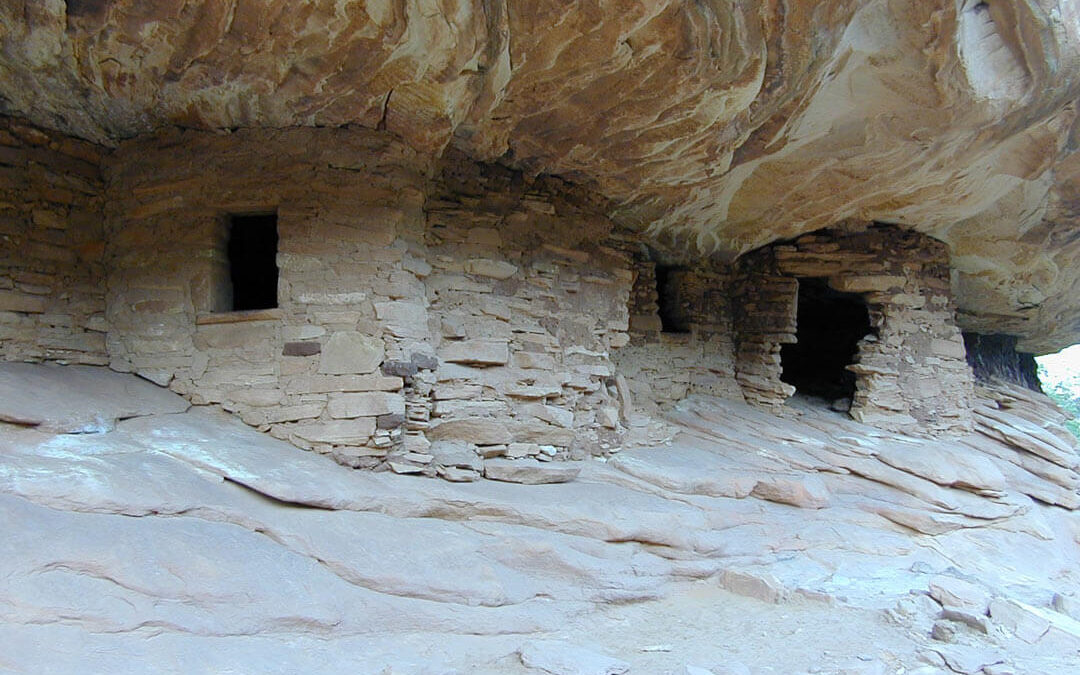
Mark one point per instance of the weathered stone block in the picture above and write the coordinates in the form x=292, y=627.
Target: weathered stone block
x=337, y=432
x=424, y=361
x=301, y=349
x=519, y=450
x=456, y=390
x=399, y=368
x=390, y=421
x=15, y=301
x=537, y=431
x=530, y=471
x=256, y=398
x=950, y=348
x=366, y=404
x=453, y=326
x=496, y=269
x=533, y=391
x=241, y=335
x=480, y=352
x=303, y=332
x=460, y=454
x=864, y=283
x=348, y=353
x=478, y=430
x=456, y=475
x=470, y=408
x=535, y=361
x=417, y=266
x=608, y=417
x=560, y=417
x=330, y=298
x=291, y=413
x=403, y=319
x=910, y=300
x=323, y=384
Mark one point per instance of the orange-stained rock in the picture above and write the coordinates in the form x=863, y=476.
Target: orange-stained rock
x=724, y=125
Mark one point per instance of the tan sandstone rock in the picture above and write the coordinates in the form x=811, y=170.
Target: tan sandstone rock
x=350, y=354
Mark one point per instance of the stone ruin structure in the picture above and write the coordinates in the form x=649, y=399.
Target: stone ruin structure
x=760, y=284
x=909, y=368
x=339, y=290
x=371, y=231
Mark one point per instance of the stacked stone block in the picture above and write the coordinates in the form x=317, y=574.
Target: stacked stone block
x=661, y=367
x=431, y=318
x=529, y=300
x=52, y=298
x=766, y=320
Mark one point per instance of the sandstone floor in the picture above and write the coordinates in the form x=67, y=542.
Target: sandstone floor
x=143, y=536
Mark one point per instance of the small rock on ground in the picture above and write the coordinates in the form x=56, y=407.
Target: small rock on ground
x=562, y=658
x=759, y=585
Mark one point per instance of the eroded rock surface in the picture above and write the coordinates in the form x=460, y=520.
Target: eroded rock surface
x=191, y=541
x=726, y=125
x=91, y=400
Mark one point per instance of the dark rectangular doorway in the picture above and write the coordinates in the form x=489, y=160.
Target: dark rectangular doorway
x=829, y=326
x=253, y=241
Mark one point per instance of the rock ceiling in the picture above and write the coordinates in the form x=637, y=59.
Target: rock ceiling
x=721, y=125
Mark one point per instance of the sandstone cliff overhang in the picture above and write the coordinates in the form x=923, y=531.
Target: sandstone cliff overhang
x=721, y=126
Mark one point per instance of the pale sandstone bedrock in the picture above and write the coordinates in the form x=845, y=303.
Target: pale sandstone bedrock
x=566, y=575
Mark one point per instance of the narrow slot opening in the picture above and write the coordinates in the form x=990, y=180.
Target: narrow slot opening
x=673, y=315
x=252, y=254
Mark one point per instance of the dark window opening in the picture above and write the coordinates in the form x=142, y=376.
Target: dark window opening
x=253, y=261
x=830, y=325
x=995, y=357
x=673, y=314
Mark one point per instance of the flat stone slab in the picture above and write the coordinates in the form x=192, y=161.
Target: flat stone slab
x=78, y=399
x=183, y=538
x=529, y=471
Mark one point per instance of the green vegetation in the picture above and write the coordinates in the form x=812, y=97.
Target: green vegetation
x=1074, y=427
x=1062, y=384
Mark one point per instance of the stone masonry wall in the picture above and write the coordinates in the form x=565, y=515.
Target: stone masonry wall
x=765, y=311
x=349, y=215
x=912, y=374
x=471, y=310
x=52, y=300
x=663, y=367
x=429, y=317
x=528, y=299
